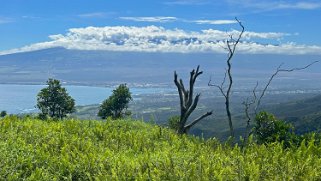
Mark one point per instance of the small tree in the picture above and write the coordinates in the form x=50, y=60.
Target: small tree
x=116, y=105
x=54, y=101
x=3, y=114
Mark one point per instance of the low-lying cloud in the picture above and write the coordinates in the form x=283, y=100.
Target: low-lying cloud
x=159, y=39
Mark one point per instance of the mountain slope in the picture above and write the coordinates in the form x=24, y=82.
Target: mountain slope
x=304, y=114
x=105, y=67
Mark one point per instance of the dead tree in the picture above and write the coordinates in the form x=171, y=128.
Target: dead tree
x=256, y=100
x=248, y=104
x=187, y=102
x=231, y=47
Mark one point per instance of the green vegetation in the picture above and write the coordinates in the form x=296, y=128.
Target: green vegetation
x=54, y=101
x=173, y=122
x=3, y=113
x=268, y=129
x=133, y=150
x=116, y=105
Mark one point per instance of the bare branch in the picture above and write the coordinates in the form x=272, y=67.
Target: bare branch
x=231, y=45
x=187, y=127
x=278, y=70
x=302, y=68
x=232, y=48
x=224, y=79
x=192, y=107
x=254, y=91
x=257, y=100
x=220, y=87
x=248, y=105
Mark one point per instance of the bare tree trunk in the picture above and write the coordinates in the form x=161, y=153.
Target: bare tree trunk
x=187, y=102
x=231, y=47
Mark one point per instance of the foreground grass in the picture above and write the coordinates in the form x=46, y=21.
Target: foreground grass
x=132, y=150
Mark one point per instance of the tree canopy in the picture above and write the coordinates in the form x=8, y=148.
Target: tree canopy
x=54, y=101
x=116, y=105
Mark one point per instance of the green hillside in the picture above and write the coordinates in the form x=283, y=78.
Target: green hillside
x=133, y=150
x=305, y=114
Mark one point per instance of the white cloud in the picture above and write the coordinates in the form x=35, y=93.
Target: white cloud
x=159, y=19
x=271, y=35
x=270, y=5
x=299, y=5
x=30, y=17
x=94, y=15
x=214, y=22
x=166, y=19
x=159, y=39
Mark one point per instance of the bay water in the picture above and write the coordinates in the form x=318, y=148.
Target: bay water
x=23, y=98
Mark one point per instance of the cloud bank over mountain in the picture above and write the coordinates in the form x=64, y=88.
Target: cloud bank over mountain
x=159, y=39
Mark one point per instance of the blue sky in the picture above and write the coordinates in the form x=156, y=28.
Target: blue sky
x=24, y=23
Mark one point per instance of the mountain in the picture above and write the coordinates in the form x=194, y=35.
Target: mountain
x=106, y=67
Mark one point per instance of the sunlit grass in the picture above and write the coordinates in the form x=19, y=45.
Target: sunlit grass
x=133, y=150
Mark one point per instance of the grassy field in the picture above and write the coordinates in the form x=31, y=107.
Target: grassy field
x=132, y=150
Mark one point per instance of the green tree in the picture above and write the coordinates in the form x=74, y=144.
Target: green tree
x=268, y=129
x=116, y=105
x=54, y=101
x=3, y=114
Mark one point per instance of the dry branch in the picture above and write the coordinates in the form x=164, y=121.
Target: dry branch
x=257, y=100
x=278, y=70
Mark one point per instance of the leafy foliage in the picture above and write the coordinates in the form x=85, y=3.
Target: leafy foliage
x=3, y=113
x=54, y=101
x=173, y=122
x=116, y=105
x=132, y=150
x=268, y=129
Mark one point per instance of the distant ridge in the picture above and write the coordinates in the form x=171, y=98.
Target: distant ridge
x=108, y=67
x=304, y=114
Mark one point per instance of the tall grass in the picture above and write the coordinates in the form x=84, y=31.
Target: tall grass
x=132, y=150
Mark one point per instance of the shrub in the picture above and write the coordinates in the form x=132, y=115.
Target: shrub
x=268, y=129
x=173, y=122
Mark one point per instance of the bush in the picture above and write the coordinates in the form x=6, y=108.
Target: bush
x=173, y=122
x=268, y=129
